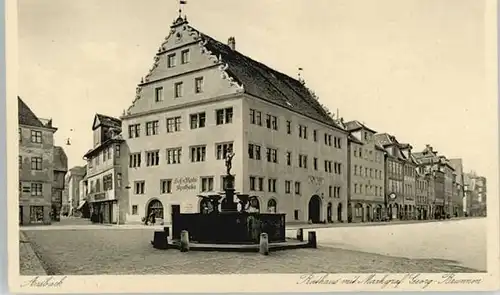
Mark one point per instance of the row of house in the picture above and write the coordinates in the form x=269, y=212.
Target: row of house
x=203, y=99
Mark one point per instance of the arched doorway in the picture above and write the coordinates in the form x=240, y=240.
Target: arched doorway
x=272, y=206
x=368, y=213
x=339, y=212
x=329, y=212
x=315, y=209
x=254, y=204
x=156, y=207
x=378, y=212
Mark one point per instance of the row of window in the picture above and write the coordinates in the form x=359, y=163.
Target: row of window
x=257, y=184
x=36, y=163
x=174, y=155
x=105, y=155
x=36, y=136
x=207, y=185
x=35, y=189
x=368, y=172
x=272, y=122
x=368, y=155
x=254, y=152
x=173, y=124
x=179, y=89
x=107, y=183
x=376, y=190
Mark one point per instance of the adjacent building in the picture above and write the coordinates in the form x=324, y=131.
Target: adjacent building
x=203, y=99
x=366, y=175
x=103, y=180
x=60, y=163
x=477, y=194
x=394, y=175
x=459, y=192
x=409, y=182
x=73, y=178
x=36, y=166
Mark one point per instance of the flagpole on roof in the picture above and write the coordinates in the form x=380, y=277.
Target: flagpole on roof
x=181, y=2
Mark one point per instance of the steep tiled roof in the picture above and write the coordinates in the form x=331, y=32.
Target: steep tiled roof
x=26, y=115
x=60, y=159
x=383, y=139
x=265, y=83
x=109, y=121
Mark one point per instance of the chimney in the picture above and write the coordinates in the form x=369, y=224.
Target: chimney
x=231, y=42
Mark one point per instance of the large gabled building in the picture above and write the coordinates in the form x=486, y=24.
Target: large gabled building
x=202, y=99
x=36, y=167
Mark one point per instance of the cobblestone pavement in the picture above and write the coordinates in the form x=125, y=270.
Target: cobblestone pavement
x=30, y=264
x=120, y=251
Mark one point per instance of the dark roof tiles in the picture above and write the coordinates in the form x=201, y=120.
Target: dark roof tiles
x=26, y=115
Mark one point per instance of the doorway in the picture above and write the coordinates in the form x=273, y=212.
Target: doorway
x=339, y=212
x=329, y=212
x=315, y=209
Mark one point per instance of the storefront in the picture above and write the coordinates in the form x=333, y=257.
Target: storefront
x=102, y=209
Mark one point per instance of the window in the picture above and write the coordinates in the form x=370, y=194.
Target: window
x=223, y=149
x=20, y=161
x=315, y=135
x=171, y=60
x=20, y=135
x=36, y=163
x=330, y=191
x=288, y=186
x=302, y=131
x=302, y=161
x=36, y=214
x=36, y=136
x=338, y=142
x=198, y=153
x=288, y=127
x=104, y=155
x=197, y=120
x=139, y=187
x=296, y=214
x=338, y=168
x=271, y=122
x=185, y=56
x=158, y=94
x=107, y=182
x=252, y=183
x=336, y=192
x=297, y=188
x=355, y=169
x=135, y=160
x=272, y=155
x=134, y=130
x=98, y=185
x=36, y=189
x=166, y=186
x=178, y=89
x=253, y=151
x=118, y=180
x=224, y=116
x=135, y=210
x=255, y=117
x=289, y=158
x=152, y=158
x=117, y=151
x=260, y=184
x=271, y=185
x=315, y=163
x=174, y=155
x=207, y=184
x=151, y=128
x=198, y=85
x=355, y=188
x=328, y=166
x=173, y=124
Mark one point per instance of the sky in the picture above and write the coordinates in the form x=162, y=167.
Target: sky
x=412, y=68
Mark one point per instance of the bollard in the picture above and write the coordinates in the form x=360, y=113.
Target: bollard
x=312, y=239
x=300, y=234
x=264, y=244
x=184, y=241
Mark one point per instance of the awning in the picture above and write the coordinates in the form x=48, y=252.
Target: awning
x=81, y=205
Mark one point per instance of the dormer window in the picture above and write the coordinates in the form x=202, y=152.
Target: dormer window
x=171, y=60
x=185, y=56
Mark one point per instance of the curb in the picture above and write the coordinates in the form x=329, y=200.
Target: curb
x=29, y=259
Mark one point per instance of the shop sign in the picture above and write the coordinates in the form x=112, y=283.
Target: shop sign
x=185, y=183
x=99, y=196
x=316, y=180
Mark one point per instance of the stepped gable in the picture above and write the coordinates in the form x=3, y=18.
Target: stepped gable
x=26, y=115
x=263, y=82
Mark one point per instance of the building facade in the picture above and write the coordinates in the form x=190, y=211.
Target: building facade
x=409, y=182
x=478, y=193
x=36, y=168
x=106, y=198
x=459, y=191
x=366, y=182
x=60, y=163
x=203, y=99
x=394, y=175
x=422, y=195
x=73, y=178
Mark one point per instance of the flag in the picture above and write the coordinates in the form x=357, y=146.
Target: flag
x=183, y=2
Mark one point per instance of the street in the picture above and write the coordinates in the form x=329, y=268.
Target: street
x=426, y=247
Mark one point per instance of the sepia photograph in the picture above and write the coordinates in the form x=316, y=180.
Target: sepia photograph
x=303, y=139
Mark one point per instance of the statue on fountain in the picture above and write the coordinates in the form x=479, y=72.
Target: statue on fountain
x=229, y=160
